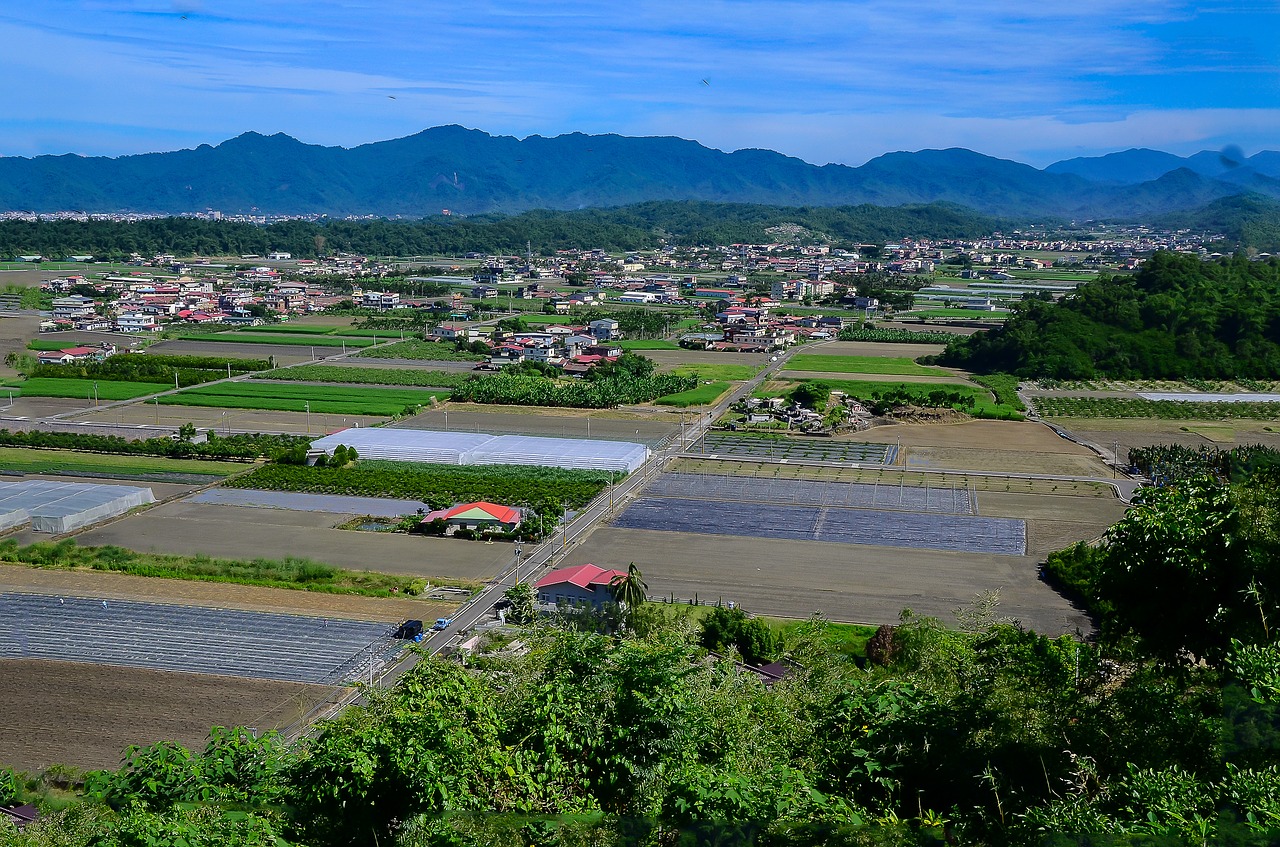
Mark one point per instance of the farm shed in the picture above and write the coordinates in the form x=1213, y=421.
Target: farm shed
x=464, y=448
x=63, y=506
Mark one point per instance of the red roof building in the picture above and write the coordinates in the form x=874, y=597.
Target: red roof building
x=479, y=515
x=578, y=585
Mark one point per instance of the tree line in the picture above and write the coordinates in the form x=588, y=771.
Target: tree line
x=635, y=227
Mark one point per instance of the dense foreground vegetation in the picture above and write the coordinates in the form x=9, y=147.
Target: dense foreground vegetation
x=1178, y=317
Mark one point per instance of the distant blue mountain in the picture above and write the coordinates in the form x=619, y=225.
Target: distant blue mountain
x=471, y=172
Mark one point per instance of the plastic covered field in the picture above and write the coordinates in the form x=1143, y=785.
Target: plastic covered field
x=469, y=448
x=823, y=523
x=944, y=499
x=193, y=639
x=63, y=506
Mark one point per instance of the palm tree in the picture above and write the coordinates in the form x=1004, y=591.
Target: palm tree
x=629, y=590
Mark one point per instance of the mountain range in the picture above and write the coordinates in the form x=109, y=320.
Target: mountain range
x=470, y=172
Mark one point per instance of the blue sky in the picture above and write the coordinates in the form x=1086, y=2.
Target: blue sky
x=822, y=80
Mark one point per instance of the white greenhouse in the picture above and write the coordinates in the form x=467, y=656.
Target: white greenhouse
x=63, y=506
x=473, y=448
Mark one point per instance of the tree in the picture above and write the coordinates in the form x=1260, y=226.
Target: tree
x=630, y=590
x=811, y=395
x=521, y=597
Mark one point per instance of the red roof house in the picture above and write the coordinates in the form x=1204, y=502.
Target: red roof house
x=578, y=585
x=479, y=515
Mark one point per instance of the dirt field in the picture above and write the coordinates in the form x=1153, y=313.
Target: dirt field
x=244, y=533
x=645, y=427
x=994, y=446
x=18, y=578
x=1144, y=432
x=100, y=710
x=14, y=335
x=846, y=582
x=40, y=407
x=238, y=420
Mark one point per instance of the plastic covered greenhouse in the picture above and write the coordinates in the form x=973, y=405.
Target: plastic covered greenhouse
x=63, y=506
x=472, y=448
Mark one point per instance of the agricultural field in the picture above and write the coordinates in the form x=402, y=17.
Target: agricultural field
x=703, y=395
x=648, y=344
x=1138, y=407
x=289, y=339
x=236, y=532
x=776, y=448
x=104, y=709
x=367, y=376
x=289, y=397
x=861, y=365
x=432, y=351
x=28, y=460
x=84, y=388
x=224, y=420
x=717, y=372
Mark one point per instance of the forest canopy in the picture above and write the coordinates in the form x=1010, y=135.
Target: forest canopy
x=1179, y=317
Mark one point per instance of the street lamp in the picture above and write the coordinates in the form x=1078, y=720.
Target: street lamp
x=308, y=404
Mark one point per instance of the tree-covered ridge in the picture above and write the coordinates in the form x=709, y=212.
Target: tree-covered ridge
x=1179, y=317
x=623, y=228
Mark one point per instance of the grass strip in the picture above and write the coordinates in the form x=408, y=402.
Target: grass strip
x=33, y=460
x=648, y=344
x=292, y=573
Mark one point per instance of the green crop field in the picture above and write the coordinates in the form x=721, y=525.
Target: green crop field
x=284, y=397
x=82, y=389
x=242, y=337
x=367, y=376
x=648, y=344
x=29, y=460
x=44, y=345
x=429, y=351
x=716, y=371
x=549, y=319
x=860, y=365
x=703, y=395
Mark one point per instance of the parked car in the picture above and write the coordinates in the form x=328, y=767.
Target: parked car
x=442, y=624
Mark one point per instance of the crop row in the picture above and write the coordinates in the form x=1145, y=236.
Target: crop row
x=895, y=336
x=1137, y=407
x=546, y=490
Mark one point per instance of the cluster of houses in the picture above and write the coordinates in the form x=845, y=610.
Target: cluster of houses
x=771, y=411
x=575, y=349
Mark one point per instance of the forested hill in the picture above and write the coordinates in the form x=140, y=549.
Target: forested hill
x=635, y=227
x=472, y=172
x=1178, y=317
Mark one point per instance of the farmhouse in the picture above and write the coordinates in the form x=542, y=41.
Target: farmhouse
x=578, y=585
x=480, y=515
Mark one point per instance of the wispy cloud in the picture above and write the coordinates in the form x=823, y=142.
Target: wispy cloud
x=827, y=80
